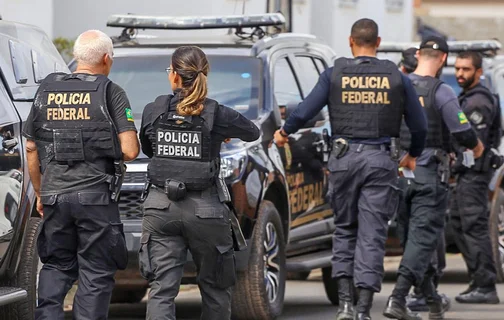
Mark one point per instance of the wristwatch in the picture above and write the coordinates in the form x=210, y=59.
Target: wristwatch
x=282, y=133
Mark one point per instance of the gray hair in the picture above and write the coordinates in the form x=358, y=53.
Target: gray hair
x=91, y=46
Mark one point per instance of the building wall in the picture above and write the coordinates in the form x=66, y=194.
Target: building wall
x=329, y=20
x=464, y=20
x=35, y=12
x=71, y=19
x=394, y=25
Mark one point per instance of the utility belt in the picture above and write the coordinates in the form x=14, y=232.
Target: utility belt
x=341, y=146
x=115, y=181
x=490, y=160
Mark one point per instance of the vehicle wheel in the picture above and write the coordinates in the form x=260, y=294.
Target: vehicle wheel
x=331, y=287
x=26, y=277
x=120, y=295
x=496, y=225
x=259, y=291
x=299, y=276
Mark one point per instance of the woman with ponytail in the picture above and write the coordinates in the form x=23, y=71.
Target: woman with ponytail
x=182, y=133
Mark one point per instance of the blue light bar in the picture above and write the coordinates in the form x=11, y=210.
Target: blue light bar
x=187, y=23
x=454, y=46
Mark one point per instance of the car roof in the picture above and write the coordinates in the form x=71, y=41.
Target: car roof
x=27, y=56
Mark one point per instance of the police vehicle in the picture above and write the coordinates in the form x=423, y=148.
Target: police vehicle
x=278, y=193
x=492, y=78
x=27, y=56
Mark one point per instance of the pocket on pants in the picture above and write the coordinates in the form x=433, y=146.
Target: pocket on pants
x=42, y=245
x=225, y=271
x=393, y=200
x=144, y=257
x=119, y=251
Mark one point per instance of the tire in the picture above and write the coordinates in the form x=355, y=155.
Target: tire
x=331, y=287
x=496, y=226
x=299, y=276
x=26, y=276
x=120, y=295
x=256, y=296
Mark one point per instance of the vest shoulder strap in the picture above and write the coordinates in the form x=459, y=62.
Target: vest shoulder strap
x=209, y=112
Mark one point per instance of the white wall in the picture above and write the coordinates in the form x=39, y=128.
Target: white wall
x=326, y=19
x=71, y=17
x=35, y=12
x=393, y=26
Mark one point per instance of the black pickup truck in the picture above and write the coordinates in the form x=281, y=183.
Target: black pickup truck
x=278, y=193
x=27, y=56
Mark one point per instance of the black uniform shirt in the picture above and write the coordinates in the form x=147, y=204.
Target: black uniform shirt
x=60, y=178
x=480, y=110
x=228, y=123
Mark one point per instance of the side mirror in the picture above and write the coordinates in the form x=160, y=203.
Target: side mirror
x=317, y=121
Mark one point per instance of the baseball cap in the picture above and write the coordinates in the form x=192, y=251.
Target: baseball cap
x=408, y=58
x=435, y=43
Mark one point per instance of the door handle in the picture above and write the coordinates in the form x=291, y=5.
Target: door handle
x=9, y=144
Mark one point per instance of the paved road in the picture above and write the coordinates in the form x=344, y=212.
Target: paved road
x=306, y=300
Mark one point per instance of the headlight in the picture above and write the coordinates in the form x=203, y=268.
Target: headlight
x=233, y=165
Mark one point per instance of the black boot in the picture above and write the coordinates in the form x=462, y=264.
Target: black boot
x=396, y=309
x=433, y=299
x=345, y=295
x=471, y=287
x=479, y=295
x=396, y=304
x=364, y=305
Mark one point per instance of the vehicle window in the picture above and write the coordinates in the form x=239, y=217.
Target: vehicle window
x=285, y=86
x=309, y=73
x=233, y=81
x=451, y=80
x=320, y=65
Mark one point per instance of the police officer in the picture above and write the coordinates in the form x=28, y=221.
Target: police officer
x=469, y=211
x=422, y=214
x=367, y=99
x=79, y=131
x=416, y=300
x=183, y=133
x=409, y=61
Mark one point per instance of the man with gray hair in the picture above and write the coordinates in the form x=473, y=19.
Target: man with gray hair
x=79, y=133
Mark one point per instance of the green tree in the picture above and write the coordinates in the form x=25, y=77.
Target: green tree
x=65, y=47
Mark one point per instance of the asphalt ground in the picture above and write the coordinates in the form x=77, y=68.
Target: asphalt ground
x=306, y=300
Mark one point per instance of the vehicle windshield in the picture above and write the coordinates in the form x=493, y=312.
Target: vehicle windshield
x=233, y=81
x=451, y=80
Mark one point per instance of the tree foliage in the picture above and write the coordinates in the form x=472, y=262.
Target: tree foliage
x=65, y=47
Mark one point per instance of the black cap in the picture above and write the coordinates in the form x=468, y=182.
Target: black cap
x=436, y=43
x=409, y=61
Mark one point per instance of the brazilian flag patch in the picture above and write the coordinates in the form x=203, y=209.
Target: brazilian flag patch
x=462, y=118
x=129, y=114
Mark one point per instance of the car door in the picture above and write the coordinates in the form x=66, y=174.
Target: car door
x=308, y=66
x=303, y=165
x=11, y=165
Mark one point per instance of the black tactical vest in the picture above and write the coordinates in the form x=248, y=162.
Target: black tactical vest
x=72, y=122
x=366, y=99
x=495, y=126
x=438, y=135
x=182, y=147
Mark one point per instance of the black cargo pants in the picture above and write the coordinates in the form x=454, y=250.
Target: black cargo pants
x=81, y=239
x=420, y=224
x=469, y=219
x=201, y=224
x=364, y=197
